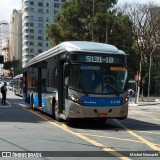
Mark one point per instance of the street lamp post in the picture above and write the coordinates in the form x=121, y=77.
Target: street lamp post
x=150, y=63
x=139, y=77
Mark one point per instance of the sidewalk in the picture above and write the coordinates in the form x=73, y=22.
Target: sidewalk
x=145, y=101
x=8, y=104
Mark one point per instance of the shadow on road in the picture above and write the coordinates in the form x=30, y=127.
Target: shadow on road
x=132, y=124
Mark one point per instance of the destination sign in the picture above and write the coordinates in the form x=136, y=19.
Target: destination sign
x=109, y=59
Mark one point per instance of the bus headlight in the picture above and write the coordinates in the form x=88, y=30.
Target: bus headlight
x=75, y=99
x=125, y=100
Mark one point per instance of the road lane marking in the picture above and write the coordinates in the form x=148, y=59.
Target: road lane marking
x=148, y=143
x=147, y=116
x=92, y=135
x=93, y=142
x=147, y=132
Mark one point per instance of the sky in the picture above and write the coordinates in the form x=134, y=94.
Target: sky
x=7, y=6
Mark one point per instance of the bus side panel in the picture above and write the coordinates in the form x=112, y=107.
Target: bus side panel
x=73, y=110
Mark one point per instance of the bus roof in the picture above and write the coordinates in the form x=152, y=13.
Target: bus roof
x=81, y=46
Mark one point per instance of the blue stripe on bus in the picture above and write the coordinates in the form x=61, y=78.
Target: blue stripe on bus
x=36, y=100
x=101, y=102
x=44, y=101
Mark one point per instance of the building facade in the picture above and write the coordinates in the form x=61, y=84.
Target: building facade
x=16, y=36
x=36, y=16
x=16, y=40
x=4, y=33
x=6, y=55
x=4, y=36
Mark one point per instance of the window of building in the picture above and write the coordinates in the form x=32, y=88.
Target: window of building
x=31, y=2
x=31, y=37
x=31, y=50
x=31, y=30
x=31, y=24
x=31, y=18
x=31, y=43
x=31, y=9
x=47, y=4
x=47, y=10
x=40, y=31
x=56, y=5
x=55, y=12
x=40, y=18
x=39, y=51
x=40, y=38
x=27, y=24
x=46, y=44
x=31, y=56
x=40, y=25
x=40, y=4
x=40, y=10
x=39, y=44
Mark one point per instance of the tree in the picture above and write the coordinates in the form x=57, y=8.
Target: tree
x=146, y=28
x=75, y=21
x=13, y=66
x=112, y=26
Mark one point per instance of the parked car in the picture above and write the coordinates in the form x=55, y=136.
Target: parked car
x=10, y=86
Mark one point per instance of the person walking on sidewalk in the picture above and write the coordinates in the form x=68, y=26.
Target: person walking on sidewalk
x=130, y=94
x=4, y=93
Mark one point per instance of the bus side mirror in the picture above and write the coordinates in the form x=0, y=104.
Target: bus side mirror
x=66, y=81
x=66, y=73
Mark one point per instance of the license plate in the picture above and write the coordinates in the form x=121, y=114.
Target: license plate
x=102, y=115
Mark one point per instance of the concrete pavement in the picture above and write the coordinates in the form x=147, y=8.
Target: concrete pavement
x=145, y=101
x=8, y=104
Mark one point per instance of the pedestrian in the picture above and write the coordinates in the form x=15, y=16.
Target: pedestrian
x=130, y=94
x=4, y=93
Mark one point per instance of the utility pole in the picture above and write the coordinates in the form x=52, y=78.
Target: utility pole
x=139, y=77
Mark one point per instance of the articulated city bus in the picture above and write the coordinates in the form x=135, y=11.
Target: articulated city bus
x=18, y=85
x=77, y=80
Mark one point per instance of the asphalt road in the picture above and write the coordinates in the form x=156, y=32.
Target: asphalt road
x=24, y=130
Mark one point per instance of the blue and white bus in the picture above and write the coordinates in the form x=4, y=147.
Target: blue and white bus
x=77, y=80
x=18, y=85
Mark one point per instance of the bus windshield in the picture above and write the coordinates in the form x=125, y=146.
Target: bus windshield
x=98, y=79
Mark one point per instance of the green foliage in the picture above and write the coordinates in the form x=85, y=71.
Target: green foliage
x=77, y=17
x=14, y=65
x=8, y=65
x=75, y=20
